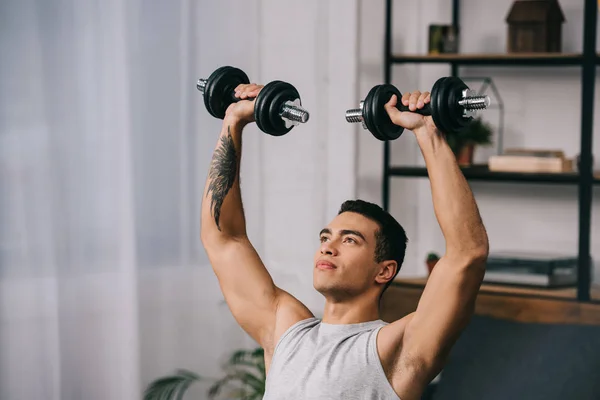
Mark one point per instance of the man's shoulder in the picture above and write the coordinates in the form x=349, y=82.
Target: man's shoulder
x=394, y=331
x=403, y=368
x=389, y=342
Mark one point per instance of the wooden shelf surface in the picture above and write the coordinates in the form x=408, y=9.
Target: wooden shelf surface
x=558, y=293
x=523, y=304
x=537, y=59
x=483, y=173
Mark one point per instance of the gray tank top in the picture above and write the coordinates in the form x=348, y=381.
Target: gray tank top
x=314, y=360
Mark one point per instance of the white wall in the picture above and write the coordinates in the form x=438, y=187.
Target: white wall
x=542, y=109
x=291, y=185
x=306, y=174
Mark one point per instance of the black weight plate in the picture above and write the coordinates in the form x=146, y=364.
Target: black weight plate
x=268, y=107
x=261, y=107
x=368, y=113
x=209, y=88
x=220, y=85
x=438, y=105
x=376, y=117
x=388, y=130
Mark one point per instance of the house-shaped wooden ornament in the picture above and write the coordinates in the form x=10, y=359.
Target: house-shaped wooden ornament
x=535, y=26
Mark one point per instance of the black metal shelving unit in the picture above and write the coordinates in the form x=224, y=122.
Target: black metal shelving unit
x=584, y=179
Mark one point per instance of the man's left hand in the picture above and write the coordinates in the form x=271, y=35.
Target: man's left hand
x=409, y=119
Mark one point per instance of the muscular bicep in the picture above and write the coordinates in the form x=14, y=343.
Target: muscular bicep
x=444, y=310
x=245, y=283
x=249, y=290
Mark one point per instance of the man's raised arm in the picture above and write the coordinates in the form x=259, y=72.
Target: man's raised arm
x=448, y=300
x=254, y=300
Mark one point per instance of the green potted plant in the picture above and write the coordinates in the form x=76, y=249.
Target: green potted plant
x=244, y=379
x=431, y=260
x=463, y=143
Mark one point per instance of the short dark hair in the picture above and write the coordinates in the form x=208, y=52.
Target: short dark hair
x=391, y=239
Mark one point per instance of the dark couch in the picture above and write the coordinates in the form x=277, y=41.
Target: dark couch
x=499, y=360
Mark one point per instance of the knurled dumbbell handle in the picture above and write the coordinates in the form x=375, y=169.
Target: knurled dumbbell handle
x=236, y=99
x=426, y=110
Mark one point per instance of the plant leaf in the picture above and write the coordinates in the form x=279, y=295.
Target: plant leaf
x=250, y=358
x=245, y=379
x=255, y=356
x=256, y=396
x=237, y=394
x=216, y=388
x=251, y=380
x=242, y=378
x=249, y=364
x=171, y=387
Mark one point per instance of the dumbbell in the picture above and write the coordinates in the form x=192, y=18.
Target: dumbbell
x=452, y=107
x=277, y=109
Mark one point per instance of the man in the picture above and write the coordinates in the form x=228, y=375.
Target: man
x=350, y=353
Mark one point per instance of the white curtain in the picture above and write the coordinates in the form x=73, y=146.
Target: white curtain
x=99, y=197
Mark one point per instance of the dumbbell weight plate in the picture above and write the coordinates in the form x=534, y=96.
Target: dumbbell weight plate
x=376, y=117
x=446, y=112
x=439, y=106
x=268, y=105
x=368, y=110
x=220, y=87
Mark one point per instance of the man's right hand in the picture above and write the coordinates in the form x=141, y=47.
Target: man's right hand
x=243, y=110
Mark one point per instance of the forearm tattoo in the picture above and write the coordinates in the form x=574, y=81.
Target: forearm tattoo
x=222, y=174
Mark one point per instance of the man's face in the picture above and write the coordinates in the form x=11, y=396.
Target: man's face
x=345, y=265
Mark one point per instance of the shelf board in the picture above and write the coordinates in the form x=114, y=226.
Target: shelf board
x=531, y=305
x=568, y=293
x=482, y=173
x=513, y=59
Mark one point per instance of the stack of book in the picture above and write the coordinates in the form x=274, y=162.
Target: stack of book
x=531, y=269
x=531, y=160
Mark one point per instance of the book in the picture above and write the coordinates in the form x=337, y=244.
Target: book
x=569, y=278
x=534, y=164
x=545, y=269
x=531, y=160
